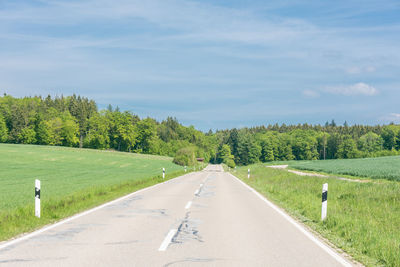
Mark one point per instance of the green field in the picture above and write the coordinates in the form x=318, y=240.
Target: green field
x=363, y=218
x=378, y=168
x=71, y=180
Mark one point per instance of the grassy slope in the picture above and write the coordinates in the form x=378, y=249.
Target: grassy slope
x=71, y=180
x=363, y=218
x=379, y=168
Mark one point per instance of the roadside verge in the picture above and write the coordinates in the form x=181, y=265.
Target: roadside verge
x=18, y=223
x=363, y=218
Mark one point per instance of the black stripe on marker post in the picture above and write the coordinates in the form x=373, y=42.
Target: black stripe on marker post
x=37, y=198
x=324, y=196
x=37, y=192
x=324, y=209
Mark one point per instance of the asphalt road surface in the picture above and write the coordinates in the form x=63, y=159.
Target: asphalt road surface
x=207, y=218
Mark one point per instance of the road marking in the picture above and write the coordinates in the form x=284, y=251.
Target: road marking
x=167, y=240
x=28, y=236
x=198, y=190
x=310, y=236
x=188, y=205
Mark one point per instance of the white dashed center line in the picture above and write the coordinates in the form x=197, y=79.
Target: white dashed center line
x=167, y=240
x=188, y=205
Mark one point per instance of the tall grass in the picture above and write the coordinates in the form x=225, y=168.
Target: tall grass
x=363, y=218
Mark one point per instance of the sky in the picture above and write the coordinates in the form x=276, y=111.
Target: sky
x=212, y=64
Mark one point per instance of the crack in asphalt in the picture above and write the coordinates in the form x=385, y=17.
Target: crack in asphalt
x=15, y=260
x=32, y=260
x=161, y=212
x=122, y=243
x=67, y=234
x=149, y=212
x=187, y=230
x=204, y=191
x=199, y=191
x=125, y=203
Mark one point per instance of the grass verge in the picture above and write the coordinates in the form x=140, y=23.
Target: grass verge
x=363, y=218
x=22, y=219
x=72, y=180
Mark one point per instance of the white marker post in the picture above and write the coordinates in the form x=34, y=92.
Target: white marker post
x=248, y=174
x=37, y=198
x=185, y=169
x=324, y=201
x=163, y=173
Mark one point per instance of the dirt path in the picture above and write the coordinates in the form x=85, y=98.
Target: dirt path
x=316, y=174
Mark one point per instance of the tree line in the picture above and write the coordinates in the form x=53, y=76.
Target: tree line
x=307, y=142
x=75, y=121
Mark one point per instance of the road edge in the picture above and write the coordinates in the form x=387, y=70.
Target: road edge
x=328, y=249
x=27, y=236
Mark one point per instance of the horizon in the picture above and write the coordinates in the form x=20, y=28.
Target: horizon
x=337, y=124
x=210, y=64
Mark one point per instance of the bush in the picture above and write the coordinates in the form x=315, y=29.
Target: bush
x=185, y=156
x=230, y=163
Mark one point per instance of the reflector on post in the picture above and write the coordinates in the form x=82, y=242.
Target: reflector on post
x=324, y=201
x=37, y=198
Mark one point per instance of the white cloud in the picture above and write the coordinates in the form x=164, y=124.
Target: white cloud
x=359, y=70
x=192, y=21
x=310, y=93
x=355, y=89
x=395, y=115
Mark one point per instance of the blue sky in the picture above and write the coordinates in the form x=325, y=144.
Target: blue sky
x=212, y=64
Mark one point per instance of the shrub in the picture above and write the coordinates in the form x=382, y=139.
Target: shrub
x=185, y=156
x=230, y=163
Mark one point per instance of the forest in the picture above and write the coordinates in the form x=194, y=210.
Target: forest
x=75, y=121
x=308, y=142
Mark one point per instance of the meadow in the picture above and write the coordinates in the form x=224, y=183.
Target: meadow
x=363, y=218
x=72, y=180
x=377, y=168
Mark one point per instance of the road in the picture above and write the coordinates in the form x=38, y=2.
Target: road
x=206, y=218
